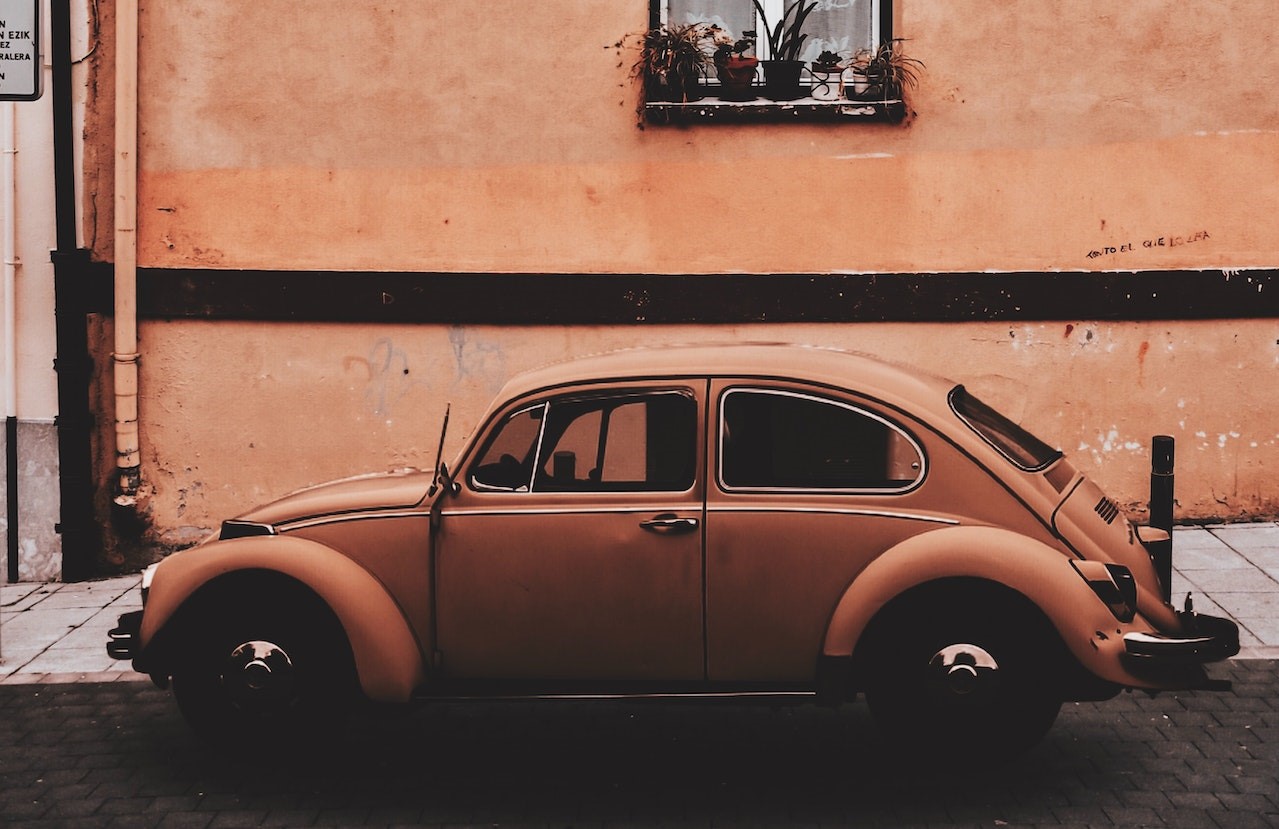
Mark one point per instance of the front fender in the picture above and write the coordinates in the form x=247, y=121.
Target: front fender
x=388, y=658
x=1040, y=573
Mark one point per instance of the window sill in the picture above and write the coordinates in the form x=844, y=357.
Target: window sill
x=765, y=110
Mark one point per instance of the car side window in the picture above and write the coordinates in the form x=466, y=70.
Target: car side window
x=781, y=440
x=620, y=443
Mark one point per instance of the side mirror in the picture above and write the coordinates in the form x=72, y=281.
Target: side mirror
x=451, y=487
x=445, y=479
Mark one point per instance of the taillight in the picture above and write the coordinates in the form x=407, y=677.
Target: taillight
x=1113, y=584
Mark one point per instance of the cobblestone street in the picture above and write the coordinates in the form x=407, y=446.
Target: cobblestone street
x=118, y=754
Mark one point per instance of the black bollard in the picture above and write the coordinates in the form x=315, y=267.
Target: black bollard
x=1162, y=455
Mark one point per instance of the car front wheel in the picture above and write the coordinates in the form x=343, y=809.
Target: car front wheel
x=264, y=678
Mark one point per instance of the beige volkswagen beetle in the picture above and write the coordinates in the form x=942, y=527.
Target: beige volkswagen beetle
x=689, y=521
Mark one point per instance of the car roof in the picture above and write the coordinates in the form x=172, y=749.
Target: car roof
x=860, y=373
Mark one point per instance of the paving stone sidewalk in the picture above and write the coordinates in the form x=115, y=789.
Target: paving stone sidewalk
x=58, y=632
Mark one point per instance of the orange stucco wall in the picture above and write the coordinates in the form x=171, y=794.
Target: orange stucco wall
x=502, y=137
x=323, y=135
x=239, y=413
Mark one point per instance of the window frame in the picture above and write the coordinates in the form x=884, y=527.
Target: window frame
x=540, y=456
x=910, y=438
x=1001, y=433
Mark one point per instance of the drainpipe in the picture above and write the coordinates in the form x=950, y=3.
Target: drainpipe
x=1162, y=456
x=125, y=356
x=9, y=186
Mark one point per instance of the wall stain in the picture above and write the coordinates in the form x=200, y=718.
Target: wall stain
x=388, y=376
x=477, y=359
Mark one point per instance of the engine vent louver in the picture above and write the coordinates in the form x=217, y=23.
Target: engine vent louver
x=1107, y=509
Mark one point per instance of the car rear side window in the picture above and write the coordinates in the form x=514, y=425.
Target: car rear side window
x=781, y=440
x=1013, y=442
x=636, y=442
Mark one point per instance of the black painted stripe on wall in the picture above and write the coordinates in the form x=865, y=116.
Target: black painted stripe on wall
x=605, y=299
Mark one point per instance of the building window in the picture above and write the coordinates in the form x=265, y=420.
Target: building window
x=852, y=30
x=840, y=26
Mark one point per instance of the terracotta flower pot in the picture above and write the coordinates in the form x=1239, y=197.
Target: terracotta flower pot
x=737, y=78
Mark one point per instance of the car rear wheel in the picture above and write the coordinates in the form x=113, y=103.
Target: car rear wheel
x=962, y=676
x=260, y=676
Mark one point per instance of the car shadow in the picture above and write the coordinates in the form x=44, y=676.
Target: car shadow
x=566, y=763
x=609, y=760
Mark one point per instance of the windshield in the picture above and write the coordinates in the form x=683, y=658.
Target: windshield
x=1013, y=442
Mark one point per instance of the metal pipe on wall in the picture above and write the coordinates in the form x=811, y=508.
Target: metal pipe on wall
x=9, y=185
x=125, y=356
x=72, y=287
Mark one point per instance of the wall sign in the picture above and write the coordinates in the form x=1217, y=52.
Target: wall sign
x=20, y=68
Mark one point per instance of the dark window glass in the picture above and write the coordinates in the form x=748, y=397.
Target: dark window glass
x=781, y=440
x=633, y=442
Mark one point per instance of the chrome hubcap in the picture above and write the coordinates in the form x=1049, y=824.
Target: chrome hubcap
x=259, y=676
x=963, y=669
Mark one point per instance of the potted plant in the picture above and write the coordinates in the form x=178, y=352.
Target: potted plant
x=734, y=66
x=672, y=61
x=785, y=41
x=827, y=70
x=884, y=73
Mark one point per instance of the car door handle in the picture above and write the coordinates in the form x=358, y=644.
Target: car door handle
x=668, y=523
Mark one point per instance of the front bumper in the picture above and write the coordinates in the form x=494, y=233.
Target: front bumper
x=123, y=641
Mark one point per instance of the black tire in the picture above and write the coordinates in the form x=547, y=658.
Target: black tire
x=962, y=672
x=263, y=671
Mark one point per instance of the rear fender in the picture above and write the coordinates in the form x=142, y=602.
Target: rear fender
x=1042, y=574
x=388, y=657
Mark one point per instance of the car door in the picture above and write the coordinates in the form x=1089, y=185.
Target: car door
x=808, y=486
x=573, y=547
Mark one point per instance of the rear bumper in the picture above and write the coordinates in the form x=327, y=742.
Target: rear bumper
x=1177, y=661
x=1207, y=639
